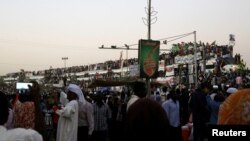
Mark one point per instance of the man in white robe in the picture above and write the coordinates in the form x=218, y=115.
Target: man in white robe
x=68, y=120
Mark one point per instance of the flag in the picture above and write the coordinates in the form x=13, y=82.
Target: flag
x=213, y=43
x=231, y=37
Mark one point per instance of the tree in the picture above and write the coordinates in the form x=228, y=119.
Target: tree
x=241, y=69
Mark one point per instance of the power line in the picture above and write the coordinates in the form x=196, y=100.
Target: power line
x=177, y=37
x=185, y=35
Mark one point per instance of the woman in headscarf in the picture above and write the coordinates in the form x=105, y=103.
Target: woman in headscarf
x=16, y=133
x=27, y=111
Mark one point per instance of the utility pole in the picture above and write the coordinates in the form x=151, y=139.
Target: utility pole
x=149, y=38
x=64, y=78
x=204, y=59
x=195, y=60
x=149, y=20
x=127, y=48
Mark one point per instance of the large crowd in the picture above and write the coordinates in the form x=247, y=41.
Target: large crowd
x=172, y=112
x=178, y=112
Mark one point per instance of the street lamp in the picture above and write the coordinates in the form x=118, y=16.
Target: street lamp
x=65, y=59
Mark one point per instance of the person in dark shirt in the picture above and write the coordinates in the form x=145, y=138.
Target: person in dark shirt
x=200, y=111
x=146, y=120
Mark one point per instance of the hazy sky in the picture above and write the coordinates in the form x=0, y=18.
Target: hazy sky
x=36, y=34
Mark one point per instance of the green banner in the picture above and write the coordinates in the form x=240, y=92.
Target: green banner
x=148, y=56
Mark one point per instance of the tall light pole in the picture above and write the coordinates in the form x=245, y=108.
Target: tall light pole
x=148, y=22
x=149, y=38
x=151, y=19
x=65, y=59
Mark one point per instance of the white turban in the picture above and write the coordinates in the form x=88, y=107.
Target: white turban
x=77, y=90
x=232, y=90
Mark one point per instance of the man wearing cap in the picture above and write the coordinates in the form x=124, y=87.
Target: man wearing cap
x=68, y=120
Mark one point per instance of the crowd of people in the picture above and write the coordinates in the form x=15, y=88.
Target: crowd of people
x=72, y=113
x=53, y=75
